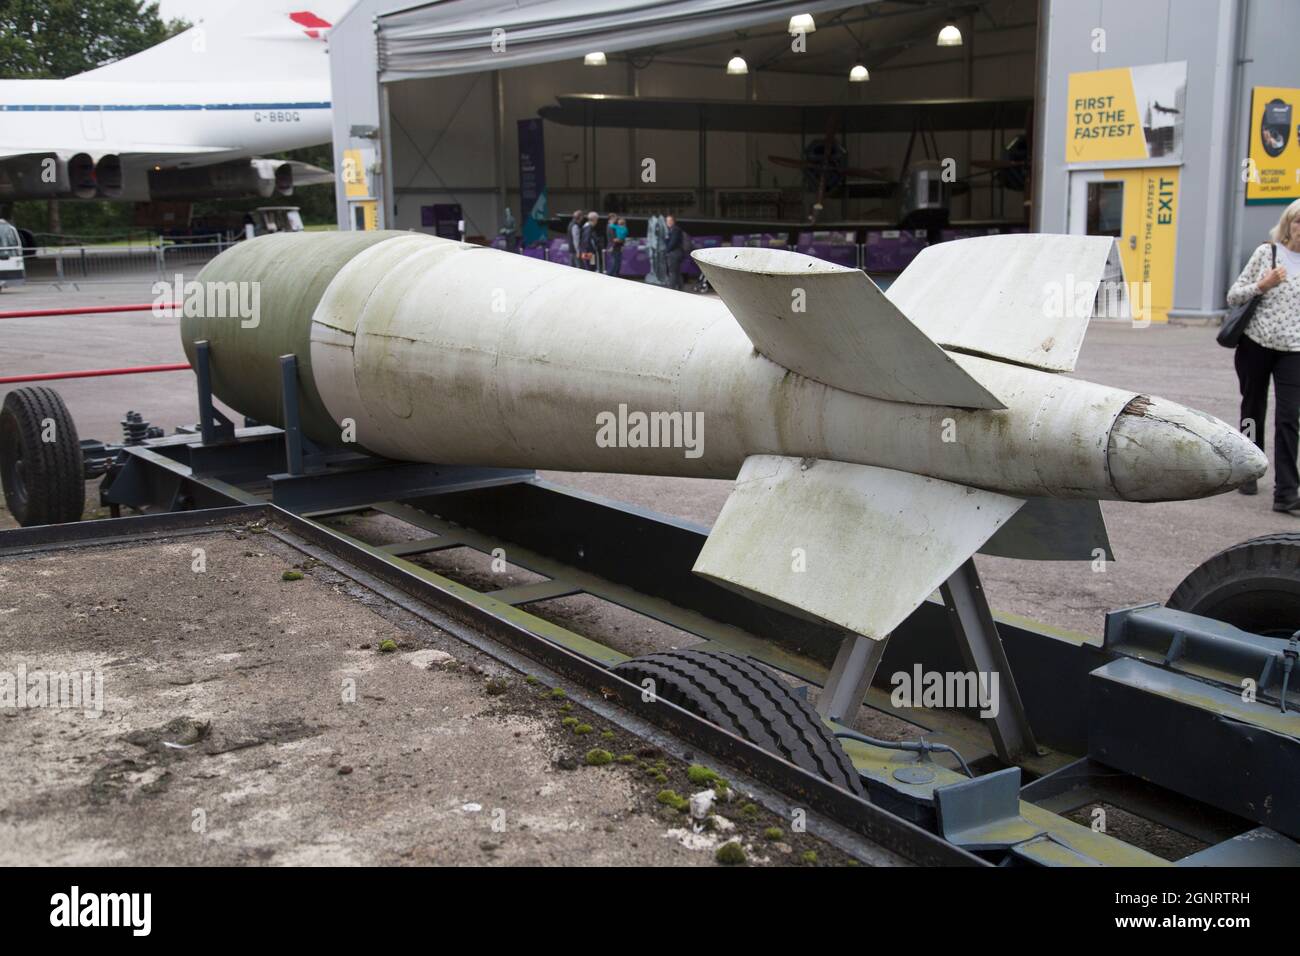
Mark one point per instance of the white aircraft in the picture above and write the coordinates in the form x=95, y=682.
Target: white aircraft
x=184, y=120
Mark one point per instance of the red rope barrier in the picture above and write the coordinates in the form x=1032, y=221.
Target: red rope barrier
x=93, y=373
x=90, y=310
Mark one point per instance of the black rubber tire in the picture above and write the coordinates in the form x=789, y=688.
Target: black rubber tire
x=748, y=701
x=1254, y=585
x=44, y=481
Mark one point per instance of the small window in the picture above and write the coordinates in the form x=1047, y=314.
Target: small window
x=1106, y=208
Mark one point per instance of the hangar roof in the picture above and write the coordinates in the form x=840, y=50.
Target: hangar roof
x=596, y=109
x=456, y=36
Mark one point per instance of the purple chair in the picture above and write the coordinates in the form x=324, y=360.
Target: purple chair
x=689, y=268
x=636, y=261
x=558, y=252
x=766, y=240
x=836, y=247
x=891, y=250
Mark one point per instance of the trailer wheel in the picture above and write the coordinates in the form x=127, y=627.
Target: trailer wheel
x=1254, y=585
x=40, y=458
x=740, y=697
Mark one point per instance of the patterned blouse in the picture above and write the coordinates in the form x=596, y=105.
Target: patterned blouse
x=1276, y=322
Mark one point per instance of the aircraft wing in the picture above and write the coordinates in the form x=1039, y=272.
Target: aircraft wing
x=25, y=174
x=167, y=155
x=159, y=152
x=305, y=174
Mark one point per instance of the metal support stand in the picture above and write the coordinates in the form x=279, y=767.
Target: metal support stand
x=213, y=425
x=982, y=651
x=850, y=677
x=299, y=451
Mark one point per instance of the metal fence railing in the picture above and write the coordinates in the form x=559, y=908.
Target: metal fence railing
x=133, y=239
x=11, y=265
x=101, y=259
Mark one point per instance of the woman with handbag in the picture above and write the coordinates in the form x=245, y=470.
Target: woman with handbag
x=1265, y=320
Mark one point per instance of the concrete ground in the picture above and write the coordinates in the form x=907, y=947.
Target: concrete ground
x=1156, y=545
x=242, y=718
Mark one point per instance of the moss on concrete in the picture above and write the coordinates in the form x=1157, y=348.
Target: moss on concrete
x=730, y=854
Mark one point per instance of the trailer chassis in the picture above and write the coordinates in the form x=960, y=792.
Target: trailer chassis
x=1151, y=720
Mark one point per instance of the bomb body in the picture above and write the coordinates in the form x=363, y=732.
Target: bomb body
x=442, y=352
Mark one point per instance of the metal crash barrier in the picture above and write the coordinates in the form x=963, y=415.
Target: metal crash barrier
x=90, y=373
x=74, y=257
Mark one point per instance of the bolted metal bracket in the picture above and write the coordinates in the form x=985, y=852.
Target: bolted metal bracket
x=850, y=677
x=982, y=651
x=984, y=813
x=300, y=452
x=213, y=425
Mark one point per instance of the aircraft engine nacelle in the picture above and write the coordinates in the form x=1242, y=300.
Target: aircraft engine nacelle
x=81, y=176
x=108, y=176
x=246, y=178
x=33, y=176
x=284, y=179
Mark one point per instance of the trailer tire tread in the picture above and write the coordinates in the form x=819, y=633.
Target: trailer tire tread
x=1254, y=585
x=758, y=724
x=802, y=719
x=54, y=473
x=741, y=697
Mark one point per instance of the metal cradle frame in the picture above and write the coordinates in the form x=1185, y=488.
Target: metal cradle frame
x=1094, y=708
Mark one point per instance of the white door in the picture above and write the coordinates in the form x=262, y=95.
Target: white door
x=1097, y=209
x=92, y=122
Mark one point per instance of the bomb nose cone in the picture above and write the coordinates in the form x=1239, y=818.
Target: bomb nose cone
x=1162, y=451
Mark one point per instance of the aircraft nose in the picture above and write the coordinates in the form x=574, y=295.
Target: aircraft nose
x=1162, y=451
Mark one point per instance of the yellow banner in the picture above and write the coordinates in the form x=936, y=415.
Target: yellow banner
x=1273, y=169
x=356, y=183
x=1126, y=113
x=1149, y=238
x=1103, y=122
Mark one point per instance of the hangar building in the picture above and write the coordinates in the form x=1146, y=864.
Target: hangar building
x=1145, y=120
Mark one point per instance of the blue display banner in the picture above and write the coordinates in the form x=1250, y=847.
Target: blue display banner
x=532, y=181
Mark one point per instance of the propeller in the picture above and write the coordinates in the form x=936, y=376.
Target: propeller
x=824, y=164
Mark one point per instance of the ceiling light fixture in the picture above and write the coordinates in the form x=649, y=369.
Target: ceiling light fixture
x=949, y=36
x=802, y=23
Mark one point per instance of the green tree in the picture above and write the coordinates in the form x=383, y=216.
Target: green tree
x=53, y=39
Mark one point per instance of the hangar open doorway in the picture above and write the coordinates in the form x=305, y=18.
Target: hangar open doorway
x=847, y=125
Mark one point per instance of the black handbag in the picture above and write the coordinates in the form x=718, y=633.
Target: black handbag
x=1235, y=324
